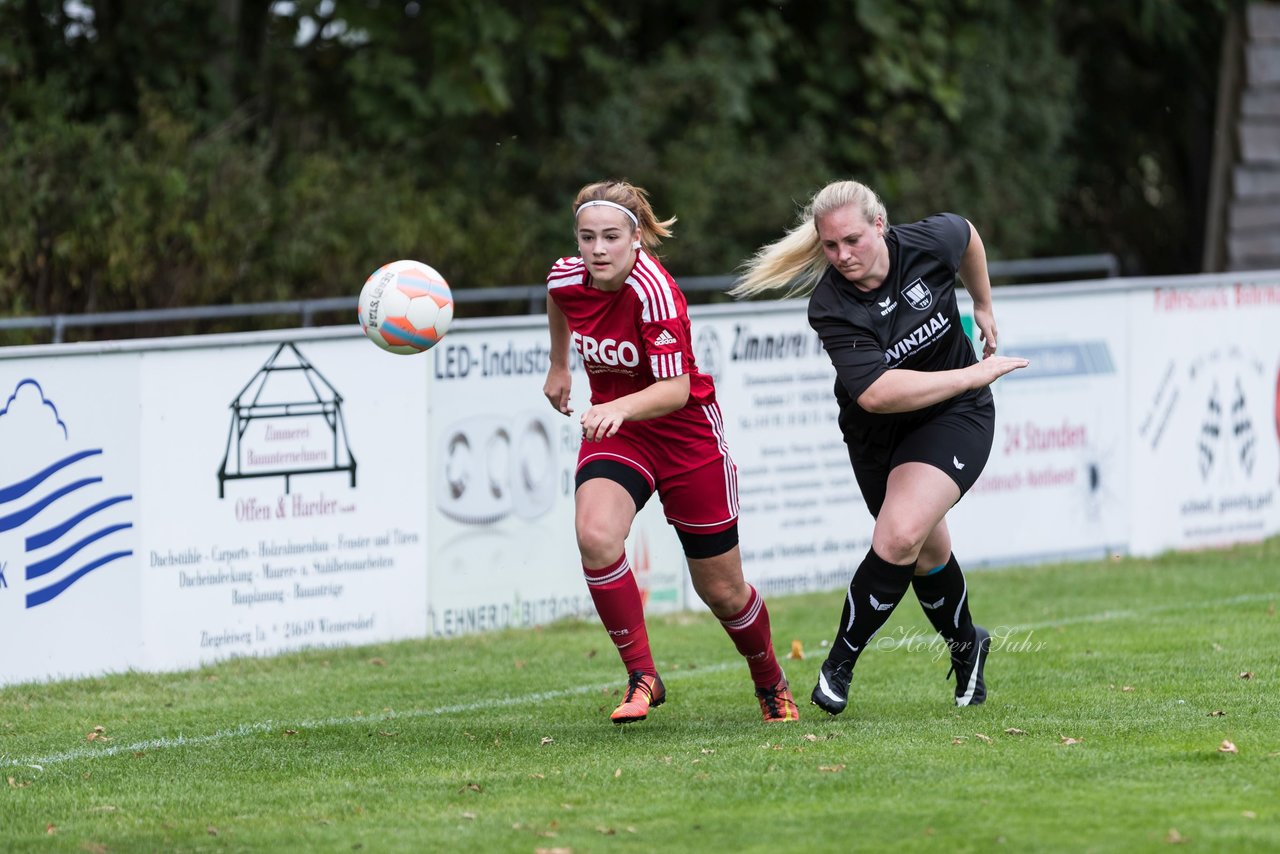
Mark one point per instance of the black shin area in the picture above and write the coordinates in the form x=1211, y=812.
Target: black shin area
x=944, y=596
x=876, y=589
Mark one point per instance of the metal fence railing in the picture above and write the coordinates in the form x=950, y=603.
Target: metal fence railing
x=532, y=298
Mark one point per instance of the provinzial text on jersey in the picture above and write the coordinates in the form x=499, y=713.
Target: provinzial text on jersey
x=925, y=334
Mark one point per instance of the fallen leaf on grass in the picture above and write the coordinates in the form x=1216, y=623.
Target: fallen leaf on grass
x=1013, y=730
x=471, y=787
x=538, y=776
x=1066, y=739
x=617, y=773
x=1128, y=689
x=809, y=737
x=706, y=750
x=1228, y=747
x=1246, y=674
x=211, y=830
x=1173, y=837
x=14, y=784
x=387, y=734
x=835, y=769
x=97, y=734
x=607, y=831
x=1249, y=814
x=378, y=662
x=959, y=739
x=291, y=732
x=985, y=738
x=1217, y=713
x=519, y=664
x=797, y=651
x=469, y=816
x=103, y=808
x=51, y=829
x=552, y=850
x=546, y=739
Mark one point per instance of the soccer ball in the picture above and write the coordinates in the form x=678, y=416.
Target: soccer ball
x=405, y=307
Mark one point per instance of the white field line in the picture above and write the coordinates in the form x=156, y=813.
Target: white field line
x=39, y=762
x=1101, y=617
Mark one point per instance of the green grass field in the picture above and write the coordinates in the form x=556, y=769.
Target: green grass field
x=1113, y=693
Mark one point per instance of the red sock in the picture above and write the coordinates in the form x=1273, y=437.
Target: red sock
x=617, y=598
x=749, y=631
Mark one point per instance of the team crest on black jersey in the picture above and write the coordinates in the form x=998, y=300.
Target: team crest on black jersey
x=918, y=295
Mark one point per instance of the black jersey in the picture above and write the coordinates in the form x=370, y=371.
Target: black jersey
x=911, y=321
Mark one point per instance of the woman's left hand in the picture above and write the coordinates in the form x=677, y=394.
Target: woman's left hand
x=602, y=421
x=985, y=319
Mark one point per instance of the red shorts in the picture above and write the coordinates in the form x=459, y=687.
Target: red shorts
x=683, y=457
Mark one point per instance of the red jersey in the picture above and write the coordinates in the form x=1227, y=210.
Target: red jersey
x=630, y=338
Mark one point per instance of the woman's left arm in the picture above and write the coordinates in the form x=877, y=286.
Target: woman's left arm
x=662, y=398
x=977, y=281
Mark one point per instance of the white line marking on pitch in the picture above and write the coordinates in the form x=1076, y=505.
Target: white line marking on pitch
x=1105, y=616
x=38, y=763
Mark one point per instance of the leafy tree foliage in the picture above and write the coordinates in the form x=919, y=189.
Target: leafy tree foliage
x=156, y=153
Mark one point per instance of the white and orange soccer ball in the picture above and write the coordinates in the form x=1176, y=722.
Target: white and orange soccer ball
x=405, y=307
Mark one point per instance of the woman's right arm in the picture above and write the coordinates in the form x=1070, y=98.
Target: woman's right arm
x=900, y=390
x=559, y=380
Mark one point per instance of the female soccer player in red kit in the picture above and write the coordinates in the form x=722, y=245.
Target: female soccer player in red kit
x=653, y=425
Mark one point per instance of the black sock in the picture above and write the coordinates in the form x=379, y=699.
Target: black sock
x=944, y=596
x=876, y=589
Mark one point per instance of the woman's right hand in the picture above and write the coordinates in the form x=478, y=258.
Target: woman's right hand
x=556, y=388
x=993, y=368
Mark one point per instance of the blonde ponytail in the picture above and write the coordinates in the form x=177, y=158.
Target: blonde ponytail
x=796, y=260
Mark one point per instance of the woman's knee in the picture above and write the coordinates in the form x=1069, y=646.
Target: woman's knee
x=897, y=543
x=724, y=597
x=599, y=545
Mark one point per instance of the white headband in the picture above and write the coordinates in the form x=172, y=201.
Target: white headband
x=607, y=204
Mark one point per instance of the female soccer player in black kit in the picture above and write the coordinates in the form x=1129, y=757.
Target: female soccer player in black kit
x=915, y=407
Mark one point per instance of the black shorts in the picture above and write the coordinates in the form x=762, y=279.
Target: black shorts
x=957, y=442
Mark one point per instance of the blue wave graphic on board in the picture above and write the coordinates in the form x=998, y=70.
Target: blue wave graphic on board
x=63, y=503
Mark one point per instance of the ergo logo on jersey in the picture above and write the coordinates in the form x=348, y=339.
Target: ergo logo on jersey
x=607, y=352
